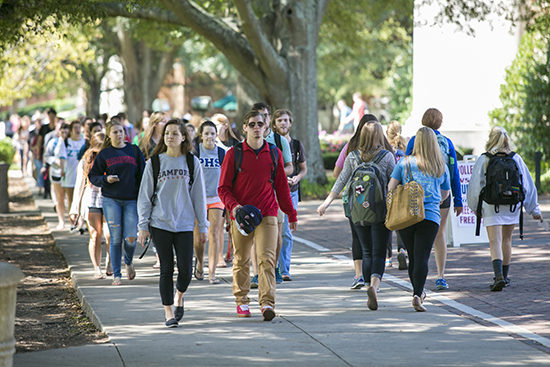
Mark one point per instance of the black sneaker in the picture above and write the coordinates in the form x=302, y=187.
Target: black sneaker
x=507, y=281
x=171, y=323
x=498, y=284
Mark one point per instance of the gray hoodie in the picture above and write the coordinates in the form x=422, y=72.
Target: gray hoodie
x=175, y=206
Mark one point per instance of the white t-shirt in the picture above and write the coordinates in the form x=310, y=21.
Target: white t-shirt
x=70, y=153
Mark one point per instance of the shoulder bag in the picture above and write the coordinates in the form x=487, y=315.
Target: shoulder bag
x=405, y=203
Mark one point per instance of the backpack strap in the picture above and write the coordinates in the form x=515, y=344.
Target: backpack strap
x=274, y=159
x=278, y=141
x=155, y=161
x=296, y=147
x=191, y=165
x=221, y=154
x=238, y=161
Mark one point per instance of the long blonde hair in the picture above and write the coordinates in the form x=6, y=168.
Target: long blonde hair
x=145, y=142
x=372, y=140
x=220, y=119
x=427, y=153
x=498, y=141
x=395, y=138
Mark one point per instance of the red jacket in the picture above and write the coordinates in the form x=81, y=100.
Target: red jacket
x=252, y=186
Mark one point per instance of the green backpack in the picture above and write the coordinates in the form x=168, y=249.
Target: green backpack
x=365, y=195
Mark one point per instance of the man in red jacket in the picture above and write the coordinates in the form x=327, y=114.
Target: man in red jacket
x=253, y=186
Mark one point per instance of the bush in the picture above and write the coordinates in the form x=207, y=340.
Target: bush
x=316, y=191
x=6, y=151
x=329, y=160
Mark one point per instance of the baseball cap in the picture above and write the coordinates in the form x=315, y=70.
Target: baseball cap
x=247, y=218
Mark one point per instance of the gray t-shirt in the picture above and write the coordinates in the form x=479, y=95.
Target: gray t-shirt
x=211, y=168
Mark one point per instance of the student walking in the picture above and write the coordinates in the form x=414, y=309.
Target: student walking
x=88, y=204
x=168, y=205
x=500, y=220
x=55, y=161
x=373, y=236
x=211, y=158
x=259, y=182
x=282, y=124
x=433, y=119
x=118, y=169
x=70, y=150
x=427, y=167
x=399, y=145
x=356, y=250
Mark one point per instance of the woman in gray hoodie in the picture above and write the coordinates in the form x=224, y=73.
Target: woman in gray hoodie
x=167, y=213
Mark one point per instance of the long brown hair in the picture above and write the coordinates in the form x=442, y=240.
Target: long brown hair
x=96, y=141
x=372, y=141
x=107, y=143
x=145, y=142
x=427, y=153
x=186, y=145
x=356, y=138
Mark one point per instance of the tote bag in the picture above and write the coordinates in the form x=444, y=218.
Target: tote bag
x=405, y=203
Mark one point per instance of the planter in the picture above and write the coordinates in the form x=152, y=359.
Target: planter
x=10, y=275
x=4, y=196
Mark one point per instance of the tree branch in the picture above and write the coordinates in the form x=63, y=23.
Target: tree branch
x=271, y=62
x=221, y=33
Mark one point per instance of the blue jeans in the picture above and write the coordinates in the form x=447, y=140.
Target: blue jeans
x=39, y=176
x=374, y=240
x=122, y=219
x=286, y=249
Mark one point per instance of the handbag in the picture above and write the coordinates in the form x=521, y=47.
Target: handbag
x=405, y=203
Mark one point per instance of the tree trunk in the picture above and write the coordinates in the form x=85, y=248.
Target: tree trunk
x=144, y=72
x=93, y=94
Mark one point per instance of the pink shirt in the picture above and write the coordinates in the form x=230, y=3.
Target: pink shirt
x=342, y=157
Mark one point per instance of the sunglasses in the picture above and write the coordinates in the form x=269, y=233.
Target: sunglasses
x=252, y=124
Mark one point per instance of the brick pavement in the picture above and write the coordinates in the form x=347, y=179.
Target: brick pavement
x=526, y=302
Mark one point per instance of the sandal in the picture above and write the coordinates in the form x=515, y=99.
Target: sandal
x=116, y=281
x=221, y=265
x=199, y=275
x=215, y=281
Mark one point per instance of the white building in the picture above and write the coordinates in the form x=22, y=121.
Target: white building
x=459, y=74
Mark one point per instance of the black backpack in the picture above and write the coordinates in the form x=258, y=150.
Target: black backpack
x=503, y=186
x=155, y=161
x=239, y=161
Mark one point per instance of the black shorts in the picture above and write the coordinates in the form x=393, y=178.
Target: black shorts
x=92, y=209
x=446, y=203
x=56, y=178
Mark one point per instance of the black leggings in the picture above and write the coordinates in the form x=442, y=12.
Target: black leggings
x=418, y=240
x=373, y=240
x=399, y=245
x=166, y=242
x=356, y=249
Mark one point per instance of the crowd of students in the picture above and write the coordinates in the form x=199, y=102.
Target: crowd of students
x=429, y=159
x=174, y=188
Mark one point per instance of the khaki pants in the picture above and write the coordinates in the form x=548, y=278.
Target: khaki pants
x=266, y=242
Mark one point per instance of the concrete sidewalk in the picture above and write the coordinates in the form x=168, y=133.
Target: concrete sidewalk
x=320, y=322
